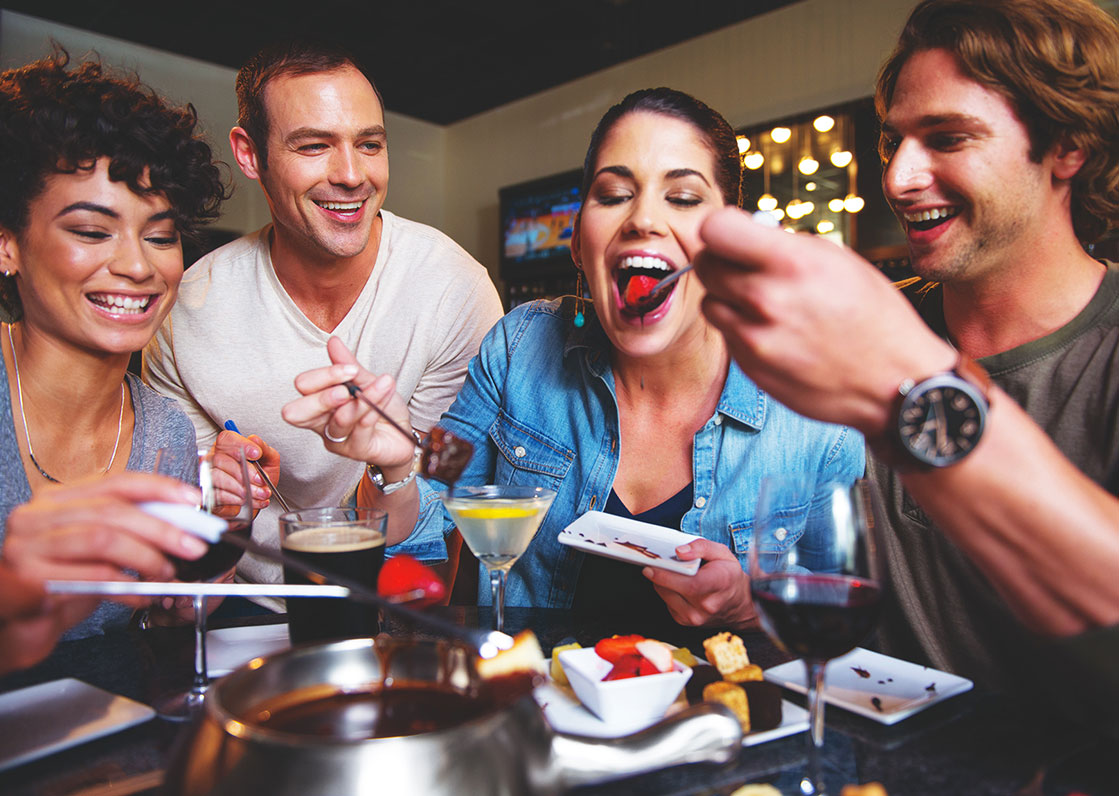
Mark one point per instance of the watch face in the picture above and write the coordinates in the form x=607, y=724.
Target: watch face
x=941, y=420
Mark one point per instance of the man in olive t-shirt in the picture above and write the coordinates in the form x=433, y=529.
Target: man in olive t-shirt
x=999, y=126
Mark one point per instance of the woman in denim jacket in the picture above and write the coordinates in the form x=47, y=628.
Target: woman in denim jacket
x=640, y=414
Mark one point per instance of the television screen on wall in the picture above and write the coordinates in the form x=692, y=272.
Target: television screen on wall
x=537, y=219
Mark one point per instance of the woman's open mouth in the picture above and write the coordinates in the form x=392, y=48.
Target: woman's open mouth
x=637, y=276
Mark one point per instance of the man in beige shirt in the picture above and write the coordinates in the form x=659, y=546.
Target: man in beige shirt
x=403, y=297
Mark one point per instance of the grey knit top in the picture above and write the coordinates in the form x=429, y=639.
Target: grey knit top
x=160, y=423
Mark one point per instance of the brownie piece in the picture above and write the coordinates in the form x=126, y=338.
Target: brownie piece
x=765, y=704
x=701, y=676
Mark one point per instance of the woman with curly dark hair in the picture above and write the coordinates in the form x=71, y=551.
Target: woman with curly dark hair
x=99, y=180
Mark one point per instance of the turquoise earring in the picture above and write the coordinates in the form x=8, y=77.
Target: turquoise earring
x=580, y=320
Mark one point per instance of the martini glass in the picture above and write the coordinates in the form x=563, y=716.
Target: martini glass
x=497, y=523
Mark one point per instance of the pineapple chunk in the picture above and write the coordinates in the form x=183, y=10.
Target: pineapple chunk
x=557, y=673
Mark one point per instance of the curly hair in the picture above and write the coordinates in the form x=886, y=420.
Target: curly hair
x=294, y=57
x=56, y=120
x=716, y=132
x=1055, y=61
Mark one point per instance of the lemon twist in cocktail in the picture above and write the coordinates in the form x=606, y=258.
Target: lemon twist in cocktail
x=498, y=523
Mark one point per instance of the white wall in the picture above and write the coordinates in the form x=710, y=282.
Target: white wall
x=808, y=55
x=416, y=189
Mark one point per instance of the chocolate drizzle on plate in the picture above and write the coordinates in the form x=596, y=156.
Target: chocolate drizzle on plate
x=637, y=548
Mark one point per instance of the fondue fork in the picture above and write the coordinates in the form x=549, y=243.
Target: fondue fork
x=154, y=588
x=355, y=392
x=176, y=589
x=487, y=642
x=646, y=302
x=229, y=424
x=443, y=459
x=649, y=299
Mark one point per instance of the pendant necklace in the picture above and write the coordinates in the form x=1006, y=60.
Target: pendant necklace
x=27, y=434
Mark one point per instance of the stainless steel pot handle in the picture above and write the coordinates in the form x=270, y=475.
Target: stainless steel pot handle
x=705, y=733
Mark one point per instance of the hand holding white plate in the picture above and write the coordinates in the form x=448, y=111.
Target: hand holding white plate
x=632, y=541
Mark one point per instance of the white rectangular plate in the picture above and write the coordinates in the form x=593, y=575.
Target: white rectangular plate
x=49, y=717
x=566, y=713
x=230, y=647
x=854, y=681
x=629, y=540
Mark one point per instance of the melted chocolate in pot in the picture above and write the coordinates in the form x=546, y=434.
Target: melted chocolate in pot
x=404, y=709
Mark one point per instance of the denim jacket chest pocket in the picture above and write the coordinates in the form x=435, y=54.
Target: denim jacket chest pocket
x=527, y=456
x=779, y=537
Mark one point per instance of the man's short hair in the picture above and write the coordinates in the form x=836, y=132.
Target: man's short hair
x=300, y=57
x=1055, y=61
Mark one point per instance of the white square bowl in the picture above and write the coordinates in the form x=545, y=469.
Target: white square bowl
x=626, y=701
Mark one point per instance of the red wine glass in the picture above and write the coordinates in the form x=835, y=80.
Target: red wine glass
x=816, y=580
x=226, y=495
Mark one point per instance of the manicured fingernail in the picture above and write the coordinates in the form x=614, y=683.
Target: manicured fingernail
x=254, y=453
x=349, y=371
x=168, y=603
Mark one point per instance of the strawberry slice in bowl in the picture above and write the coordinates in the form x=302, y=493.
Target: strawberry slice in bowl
x=628, y=697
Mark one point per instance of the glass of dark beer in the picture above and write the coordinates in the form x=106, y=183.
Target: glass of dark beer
x=341, y=540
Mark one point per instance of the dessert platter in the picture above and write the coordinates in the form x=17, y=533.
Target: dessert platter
x=761, y=711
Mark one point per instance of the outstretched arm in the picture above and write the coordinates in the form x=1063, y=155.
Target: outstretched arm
x=822, y=331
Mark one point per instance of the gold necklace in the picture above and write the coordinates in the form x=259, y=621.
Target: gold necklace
x=27, y=434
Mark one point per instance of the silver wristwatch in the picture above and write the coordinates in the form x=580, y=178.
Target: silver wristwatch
x=378, y=478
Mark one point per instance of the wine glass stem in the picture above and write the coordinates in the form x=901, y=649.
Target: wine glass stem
x=815, y=680
x=497, y=592
x=201, y=673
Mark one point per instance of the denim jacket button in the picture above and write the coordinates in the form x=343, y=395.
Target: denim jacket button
x=700, y=502
x=519, y=451
x=718, y=420
x=780, y=534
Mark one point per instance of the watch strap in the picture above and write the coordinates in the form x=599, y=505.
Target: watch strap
x=972, y=372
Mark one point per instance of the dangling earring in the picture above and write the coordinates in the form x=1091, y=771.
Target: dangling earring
x=579, y=318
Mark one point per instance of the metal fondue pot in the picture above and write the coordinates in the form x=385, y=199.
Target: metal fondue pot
x=512, y=750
